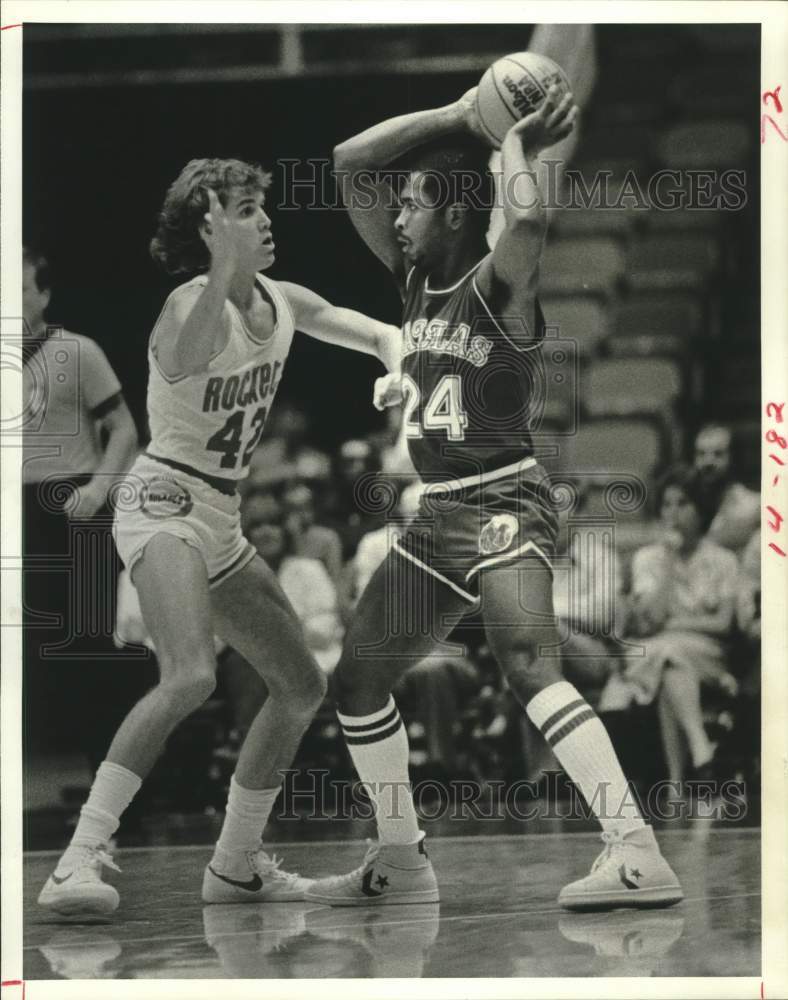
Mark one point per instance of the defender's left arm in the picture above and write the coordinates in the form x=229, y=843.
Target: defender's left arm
x=508, y=278
x=332, y=324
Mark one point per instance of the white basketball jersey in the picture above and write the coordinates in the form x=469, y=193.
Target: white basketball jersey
x=213, y=421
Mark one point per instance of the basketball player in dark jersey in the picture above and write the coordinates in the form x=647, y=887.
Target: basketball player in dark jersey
x=483, y=537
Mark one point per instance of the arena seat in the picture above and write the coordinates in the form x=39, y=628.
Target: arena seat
x=614, y=142
x=594, y=221
x=704, y=145
x=591, y=265
x=683, y=260
x=631, y=386
x=655, y=326
x=681, y=220
x=581, y=318
x=607, y=446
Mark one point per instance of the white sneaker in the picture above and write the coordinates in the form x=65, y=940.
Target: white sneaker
x=630, y=871
x=250, y=877
x=79, y=889
x=390, y=873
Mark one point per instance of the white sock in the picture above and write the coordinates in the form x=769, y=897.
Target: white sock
x=378, y=745
x=583, y=748
x=113, y=789
x=247, y=813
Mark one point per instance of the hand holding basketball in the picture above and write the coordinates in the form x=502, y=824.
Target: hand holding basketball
x=470, y=114
x=553, y=121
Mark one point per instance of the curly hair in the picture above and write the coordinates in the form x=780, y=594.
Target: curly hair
x=686, y=479
x=177, y=246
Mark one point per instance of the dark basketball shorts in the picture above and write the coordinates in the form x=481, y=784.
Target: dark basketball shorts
x=459, y=531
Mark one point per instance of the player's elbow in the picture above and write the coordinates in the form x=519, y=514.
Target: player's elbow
x=346, y=156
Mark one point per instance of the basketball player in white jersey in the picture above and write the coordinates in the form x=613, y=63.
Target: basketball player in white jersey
x=216, y=357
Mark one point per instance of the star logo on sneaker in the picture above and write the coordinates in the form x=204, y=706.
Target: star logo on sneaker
x=254, y=884
x=60, y=881
x=382, y=881
x=622, y=874
x=366, y=883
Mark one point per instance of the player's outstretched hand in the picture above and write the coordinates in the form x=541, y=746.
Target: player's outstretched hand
x=467, y=105
x=388, y=391
x=221, y=236
x=549, y=124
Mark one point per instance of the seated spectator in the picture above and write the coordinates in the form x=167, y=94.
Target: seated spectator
x=374, y=546
x=344, y=506
x=283, y=455
x=682, y=601
x=748, y=597
x=307, y=586
x=590, y=605
x=259, y=506
x=308, y=539
x=736, y=510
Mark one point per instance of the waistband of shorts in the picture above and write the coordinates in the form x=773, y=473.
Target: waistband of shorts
x=227, y=486
x=481, y=478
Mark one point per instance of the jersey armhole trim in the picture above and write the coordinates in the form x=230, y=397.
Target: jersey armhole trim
x=498, y=326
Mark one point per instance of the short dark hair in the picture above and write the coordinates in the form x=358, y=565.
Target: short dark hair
x=686, y=479
x=457, y=170
x=41, y=271
x=177, y=246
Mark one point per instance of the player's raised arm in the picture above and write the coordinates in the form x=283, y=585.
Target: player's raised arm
x=509, y=278
x=359, y=161
x=193, y=323
x=317, y=317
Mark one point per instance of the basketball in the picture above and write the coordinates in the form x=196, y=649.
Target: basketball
x=513, y=87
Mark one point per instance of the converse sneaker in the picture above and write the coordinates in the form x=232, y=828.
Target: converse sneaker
x=390, y=873
x=75, y=887
x=250, y=877
x=630, y=871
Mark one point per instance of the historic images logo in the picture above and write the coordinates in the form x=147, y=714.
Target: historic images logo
x=497, y=534
x=164, y=497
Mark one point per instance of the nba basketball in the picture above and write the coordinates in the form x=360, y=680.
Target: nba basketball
x=513, y=87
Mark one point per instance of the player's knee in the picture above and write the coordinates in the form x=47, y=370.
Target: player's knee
x=521, y=648
x=303, y=694
x=186, y=689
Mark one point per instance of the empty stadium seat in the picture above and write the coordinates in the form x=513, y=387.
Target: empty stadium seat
x=615, y=222
x=615, y=142
x=604, y=447
x=579, y=318
x=657, y=313
x=681, y=260
x=590, y=265
x=704, y=145
x=681, y=220
x=562, y=377
x=631, y=386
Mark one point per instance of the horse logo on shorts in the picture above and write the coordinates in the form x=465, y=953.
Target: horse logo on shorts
x=164, y=497
x=498, y=534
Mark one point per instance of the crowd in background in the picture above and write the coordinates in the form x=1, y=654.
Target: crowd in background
x=662, y=638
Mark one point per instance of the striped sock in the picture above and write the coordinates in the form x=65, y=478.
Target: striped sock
x=583, y=748
x=378, y=745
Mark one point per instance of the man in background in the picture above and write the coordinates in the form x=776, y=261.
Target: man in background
x=737, y=508
x=78, y=439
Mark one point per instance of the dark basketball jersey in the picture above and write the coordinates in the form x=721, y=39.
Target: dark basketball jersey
x=470, y=394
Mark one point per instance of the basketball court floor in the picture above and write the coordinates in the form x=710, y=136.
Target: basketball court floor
x=497, y=917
